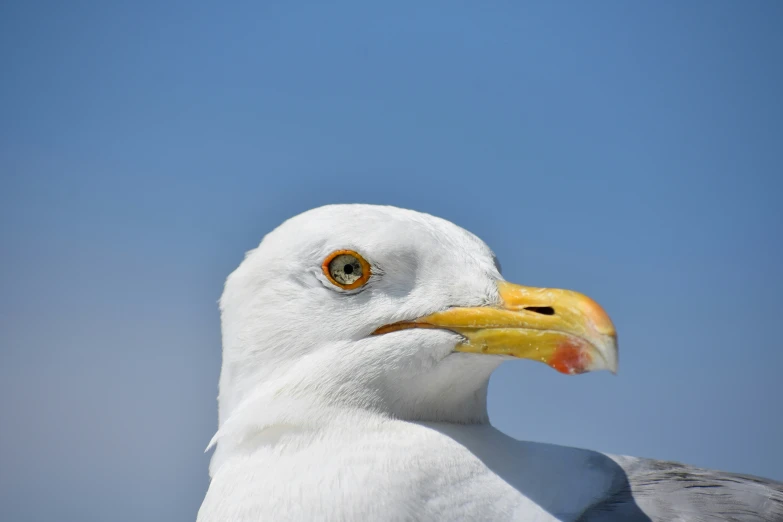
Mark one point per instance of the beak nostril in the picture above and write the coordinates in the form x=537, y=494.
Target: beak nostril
x=543, y=310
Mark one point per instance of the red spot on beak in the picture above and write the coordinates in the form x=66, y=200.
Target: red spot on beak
x=572, y=356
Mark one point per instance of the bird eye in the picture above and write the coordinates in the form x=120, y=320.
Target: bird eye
x=346, y=269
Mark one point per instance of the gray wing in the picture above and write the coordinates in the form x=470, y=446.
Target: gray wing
x=669, y=491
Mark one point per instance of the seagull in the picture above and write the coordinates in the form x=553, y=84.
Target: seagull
x=358, y=343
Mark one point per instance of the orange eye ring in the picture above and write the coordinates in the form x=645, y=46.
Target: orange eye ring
x=336, y=269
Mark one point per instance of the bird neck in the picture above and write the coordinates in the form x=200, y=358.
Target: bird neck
x=453, y=392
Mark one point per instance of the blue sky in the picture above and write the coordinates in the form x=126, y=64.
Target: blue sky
x=632, y=151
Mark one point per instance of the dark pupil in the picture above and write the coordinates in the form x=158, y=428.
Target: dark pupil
x=348, y=269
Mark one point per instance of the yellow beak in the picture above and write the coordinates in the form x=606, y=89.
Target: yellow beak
x=566, y=330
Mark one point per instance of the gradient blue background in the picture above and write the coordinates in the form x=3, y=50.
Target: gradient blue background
x=630, y=150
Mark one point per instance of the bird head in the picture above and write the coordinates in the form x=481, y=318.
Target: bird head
x=391, y=310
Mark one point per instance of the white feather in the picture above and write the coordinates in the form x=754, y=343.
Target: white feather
x=319, y=420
